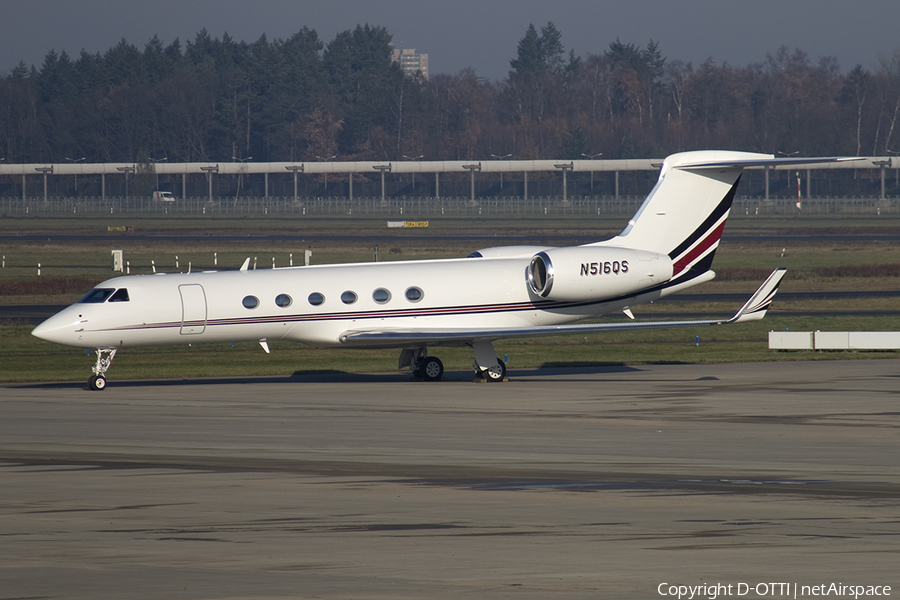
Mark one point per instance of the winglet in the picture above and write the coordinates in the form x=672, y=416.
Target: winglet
x=756, y=307
x=246, y=264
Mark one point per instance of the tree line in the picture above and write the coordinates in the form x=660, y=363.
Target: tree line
x=300, y=99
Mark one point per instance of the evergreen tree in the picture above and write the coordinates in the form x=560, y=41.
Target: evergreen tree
x=530, y=58
x=291, y=99
x=551, y=48
x=361, y=74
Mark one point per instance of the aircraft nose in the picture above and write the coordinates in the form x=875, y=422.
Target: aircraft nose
x=59, y=329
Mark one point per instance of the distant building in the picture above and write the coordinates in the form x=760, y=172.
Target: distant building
x=411, y=61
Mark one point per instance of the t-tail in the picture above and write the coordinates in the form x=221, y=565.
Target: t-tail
x=684, y=215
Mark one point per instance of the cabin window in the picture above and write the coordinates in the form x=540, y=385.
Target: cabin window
x=283, y=300
x=250, y=301
x=121, y=295
x=348, y=297
x=414, y=294
x=316, y=299
x=97, y=295
x=381, y=296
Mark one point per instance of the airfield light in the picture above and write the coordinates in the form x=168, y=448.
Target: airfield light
x=499, y=157
x=155, y=161
x=126, y=170
x=324, y=158
x=75, y=161
x=592, y=157
x=414, y=173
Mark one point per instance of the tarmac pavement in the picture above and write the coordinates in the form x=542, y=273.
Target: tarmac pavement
x=563, y=483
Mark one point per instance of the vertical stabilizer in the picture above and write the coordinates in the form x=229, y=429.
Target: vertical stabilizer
x=685, y=213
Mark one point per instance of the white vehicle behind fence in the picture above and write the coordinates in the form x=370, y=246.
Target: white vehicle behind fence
x=163, y=197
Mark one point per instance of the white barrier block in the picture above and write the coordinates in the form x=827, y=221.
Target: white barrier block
x=874, y=340
x=790, y=340
x=832, y=340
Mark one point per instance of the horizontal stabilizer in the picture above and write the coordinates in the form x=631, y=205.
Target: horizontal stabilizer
x=765, y=162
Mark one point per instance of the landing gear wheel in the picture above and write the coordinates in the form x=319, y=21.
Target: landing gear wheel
x=431, y=369
x=105, y=357
x=496, y=373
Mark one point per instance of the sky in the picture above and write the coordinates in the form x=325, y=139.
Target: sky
x=478, y=34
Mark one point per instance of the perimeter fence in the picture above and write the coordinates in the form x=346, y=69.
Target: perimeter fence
x=424, y=206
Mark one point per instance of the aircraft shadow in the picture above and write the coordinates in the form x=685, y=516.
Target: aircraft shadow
x=548, y=371
x=594, y=366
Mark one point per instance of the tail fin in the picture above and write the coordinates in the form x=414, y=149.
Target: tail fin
x=684, y=215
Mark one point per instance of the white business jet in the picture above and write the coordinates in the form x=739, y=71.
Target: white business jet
x=492, y=294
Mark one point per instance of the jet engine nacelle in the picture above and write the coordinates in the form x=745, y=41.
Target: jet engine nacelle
x=591, y=272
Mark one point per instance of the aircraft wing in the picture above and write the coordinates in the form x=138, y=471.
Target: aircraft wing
x=753, y=310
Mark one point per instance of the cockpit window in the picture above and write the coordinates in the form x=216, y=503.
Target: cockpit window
x=97, y=295
x=121, y=295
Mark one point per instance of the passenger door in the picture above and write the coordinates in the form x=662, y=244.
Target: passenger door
x=193, y=309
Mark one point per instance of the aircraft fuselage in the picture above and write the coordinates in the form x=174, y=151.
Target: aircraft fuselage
x=316, y=304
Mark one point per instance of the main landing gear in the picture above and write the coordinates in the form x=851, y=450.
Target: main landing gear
x=430, y=369
x=105, y=356
x=427, y=368
x=493, y=374
x=487, y=366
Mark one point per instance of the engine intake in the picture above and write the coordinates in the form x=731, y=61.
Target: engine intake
x=540, y=274
x=591, y=272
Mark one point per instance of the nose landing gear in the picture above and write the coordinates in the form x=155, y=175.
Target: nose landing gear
x=105, y=356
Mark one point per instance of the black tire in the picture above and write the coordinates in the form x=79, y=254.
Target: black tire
x=431, y=369
x=97, y=382
x=495, y=374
